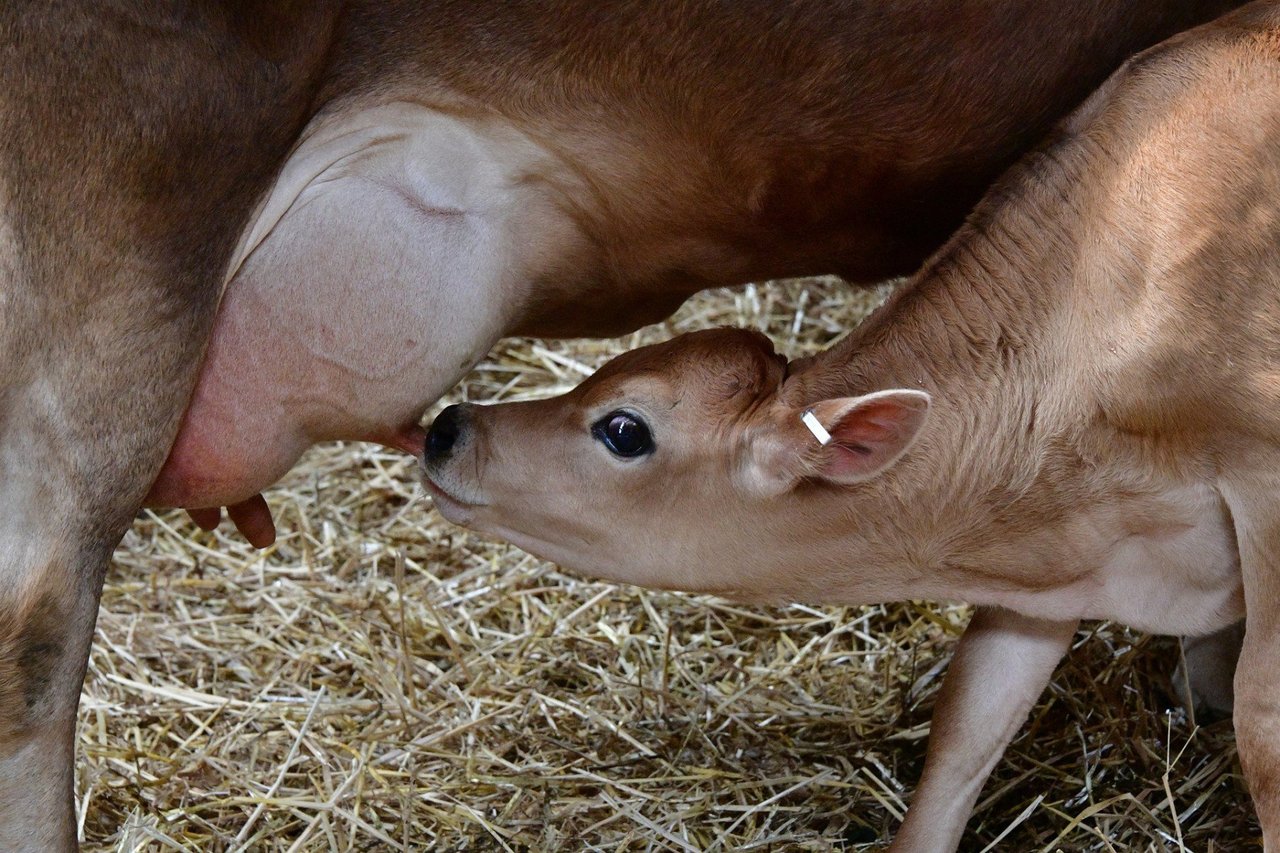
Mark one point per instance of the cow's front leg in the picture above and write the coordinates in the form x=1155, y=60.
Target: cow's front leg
x=1001, y=666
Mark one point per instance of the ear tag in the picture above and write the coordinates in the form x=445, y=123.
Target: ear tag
x=819, y=432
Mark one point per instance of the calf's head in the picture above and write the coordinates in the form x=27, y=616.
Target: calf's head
x=681, y=465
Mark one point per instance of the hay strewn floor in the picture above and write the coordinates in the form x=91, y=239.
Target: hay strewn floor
x=381, y=680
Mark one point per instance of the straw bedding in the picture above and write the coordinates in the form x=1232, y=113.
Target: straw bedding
x=380, y=680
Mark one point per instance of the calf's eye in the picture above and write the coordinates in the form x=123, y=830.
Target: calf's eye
x=624, y=434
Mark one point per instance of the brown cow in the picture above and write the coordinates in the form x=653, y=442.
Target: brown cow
x=1072, y=412
x=388, y=188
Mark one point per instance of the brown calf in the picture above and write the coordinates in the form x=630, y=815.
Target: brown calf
x=385, y=189
x=1072, y=412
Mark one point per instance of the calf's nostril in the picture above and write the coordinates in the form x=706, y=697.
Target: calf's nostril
x=444, y=432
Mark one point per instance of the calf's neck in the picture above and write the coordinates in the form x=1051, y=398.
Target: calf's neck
x=1072, y=412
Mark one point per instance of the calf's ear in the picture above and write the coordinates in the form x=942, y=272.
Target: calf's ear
x=867, y=433
x=842, y=440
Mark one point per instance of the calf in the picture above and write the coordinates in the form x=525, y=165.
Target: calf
x=375, y=192
x=1072, y=412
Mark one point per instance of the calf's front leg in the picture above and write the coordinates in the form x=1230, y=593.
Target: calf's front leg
x=1256, y=513
x=1204, y=680
x=1001, y=666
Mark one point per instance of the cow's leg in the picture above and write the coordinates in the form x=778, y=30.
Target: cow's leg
x=90, y=398
x=133, y=147
x=51, y=579
x=1001, y=666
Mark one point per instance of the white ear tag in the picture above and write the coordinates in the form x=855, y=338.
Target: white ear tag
x=819, y=432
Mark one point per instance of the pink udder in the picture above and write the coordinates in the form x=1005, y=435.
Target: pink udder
x=237, y=440
x=217, y=461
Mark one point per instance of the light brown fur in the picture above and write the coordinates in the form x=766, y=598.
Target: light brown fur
x=644, y=149
x=1100, y=349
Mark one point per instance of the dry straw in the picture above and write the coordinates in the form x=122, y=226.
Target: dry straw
x=380, y=680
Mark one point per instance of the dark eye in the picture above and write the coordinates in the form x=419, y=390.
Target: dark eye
x=624, y=434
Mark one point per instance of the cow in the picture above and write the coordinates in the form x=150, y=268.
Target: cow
x=231, y=228
x=1071, y=412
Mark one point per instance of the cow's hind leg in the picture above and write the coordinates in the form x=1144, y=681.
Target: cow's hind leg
x=98, y=353
x=47, y=610
x=88, y=406
x=132, y=148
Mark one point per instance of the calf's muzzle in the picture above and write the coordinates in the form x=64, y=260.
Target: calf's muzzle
x=444, y=432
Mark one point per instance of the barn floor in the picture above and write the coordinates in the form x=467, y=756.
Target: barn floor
x=380, y=680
